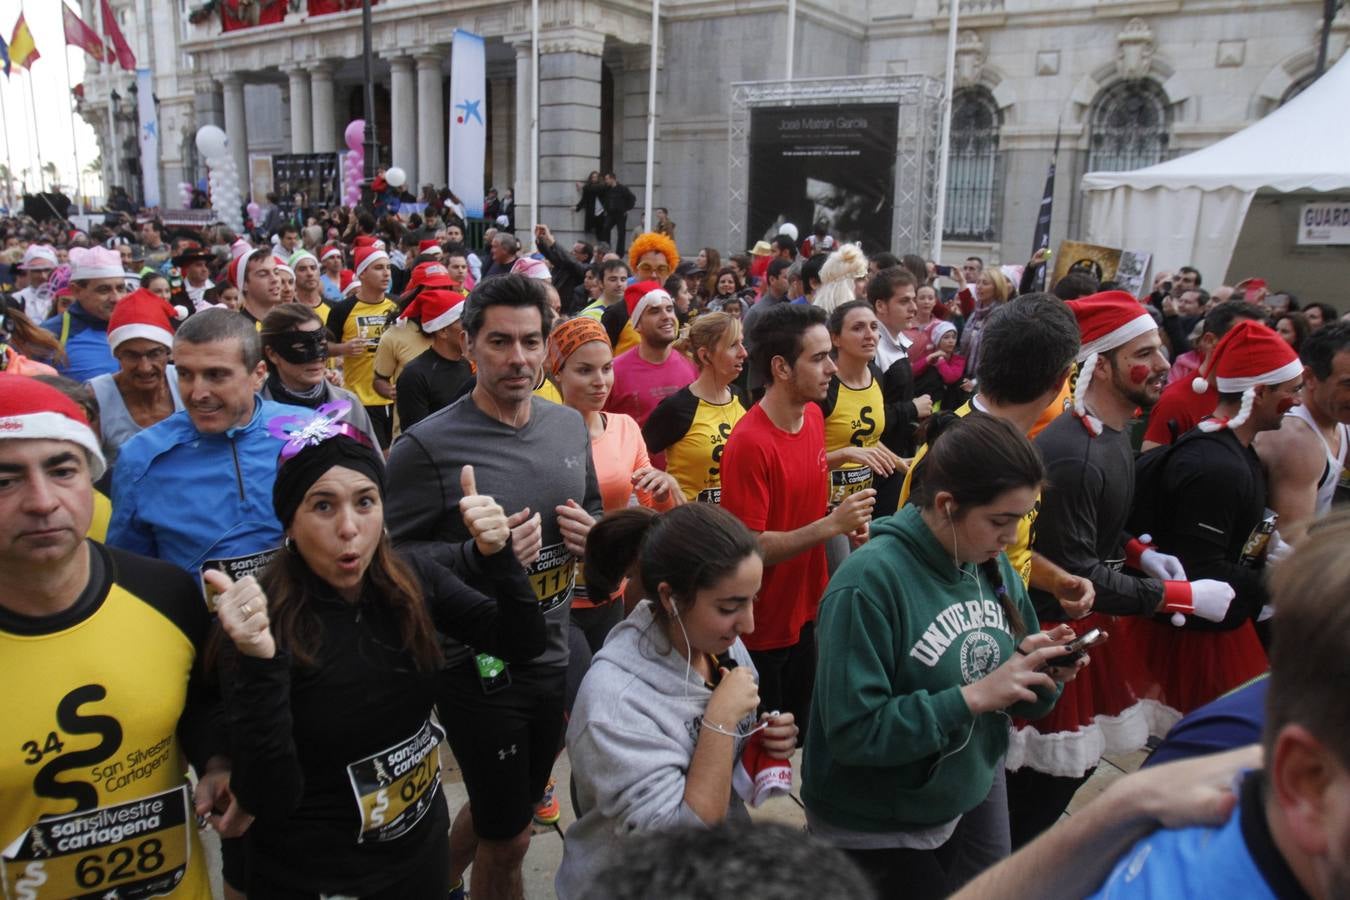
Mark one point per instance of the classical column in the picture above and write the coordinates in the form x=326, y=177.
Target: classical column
x=521, y=173
x=502, y=122
x=569, y=125
x=302, y=117
x=236, y=126
x=431, y=154
x=325, y=127
x=631, y=156
x=402, y=109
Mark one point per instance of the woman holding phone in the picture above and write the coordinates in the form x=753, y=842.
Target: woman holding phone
x=928, y=643
x=331, y=670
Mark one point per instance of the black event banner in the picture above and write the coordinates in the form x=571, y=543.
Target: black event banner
x=314, y=177
x=830, y=163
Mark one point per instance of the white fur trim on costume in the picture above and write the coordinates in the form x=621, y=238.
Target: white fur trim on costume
x=1140, y=324
x=330, y=253
x=1069, y=754
x=1286, y=372
x=449, y=317
x=52, y=426
x=1199, y=385
x=140, y=330
x=1091, y=422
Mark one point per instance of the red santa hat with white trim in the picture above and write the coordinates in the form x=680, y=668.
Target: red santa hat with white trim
x=1250, y=354
x=435, y=309
x=237, y=272
x=365, y=256
x=142, y=314
x=640, y=295
x=35, y=411
x=1106, y=321
x=329, y=252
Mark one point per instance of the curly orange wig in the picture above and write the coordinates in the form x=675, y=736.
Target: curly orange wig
x=646, y=243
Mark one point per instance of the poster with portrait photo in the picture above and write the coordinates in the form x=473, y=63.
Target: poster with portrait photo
x=834, y=164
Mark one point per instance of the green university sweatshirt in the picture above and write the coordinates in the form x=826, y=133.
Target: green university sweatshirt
x=891, y=744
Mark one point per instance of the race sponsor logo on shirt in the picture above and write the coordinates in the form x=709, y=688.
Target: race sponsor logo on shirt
x=552, y=576
x=397, y=786
x=236, y=567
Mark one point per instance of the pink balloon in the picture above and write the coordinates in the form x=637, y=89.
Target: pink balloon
x=253, y=210
x=355, y=134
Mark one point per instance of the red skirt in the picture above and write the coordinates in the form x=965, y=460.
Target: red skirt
x=1185, y=669
x=1100, y=712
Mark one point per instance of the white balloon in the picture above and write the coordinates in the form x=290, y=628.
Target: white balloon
x=212, y=142
x=395, y=176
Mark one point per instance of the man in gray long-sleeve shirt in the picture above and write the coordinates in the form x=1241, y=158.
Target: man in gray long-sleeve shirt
x=534, y=458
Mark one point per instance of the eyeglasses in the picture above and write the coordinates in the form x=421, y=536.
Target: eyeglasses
x=157, y=355
x=648, y=270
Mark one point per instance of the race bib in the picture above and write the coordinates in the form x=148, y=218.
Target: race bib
x=135, y=849
x=552, y=576
x=369, y=329
x=236, y=567
x=845, y=482
x=710, y=495
x=395, y=787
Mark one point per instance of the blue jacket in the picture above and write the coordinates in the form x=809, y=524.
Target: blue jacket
x=190, y=498
x=85, y=340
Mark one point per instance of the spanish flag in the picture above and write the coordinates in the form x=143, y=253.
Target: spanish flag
x=22, y=50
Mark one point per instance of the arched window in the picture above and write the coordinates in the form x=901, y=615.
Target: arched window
x=1129, y=127
x=972, y=167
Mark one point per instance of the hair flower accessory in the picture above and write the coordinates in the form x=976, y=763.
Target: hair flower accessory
x=301, y=431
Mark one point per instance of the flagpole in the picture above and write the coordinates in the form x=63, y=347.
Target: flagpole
x=37, y=136
x=74, y=146
x=112, y=162
x=944, y=140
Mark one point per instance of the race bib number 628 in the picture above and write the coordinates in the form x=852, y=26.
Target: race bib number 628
x=131, y=850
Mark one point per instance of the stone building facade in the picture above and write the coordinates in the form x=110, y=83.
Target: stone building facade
x=1122, y=83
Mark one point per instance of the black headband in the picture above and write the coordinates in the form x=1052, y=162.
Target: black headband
x=298, y=474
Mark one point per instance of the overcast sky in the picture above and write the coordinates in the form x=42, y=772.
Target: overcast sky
x=50, y=94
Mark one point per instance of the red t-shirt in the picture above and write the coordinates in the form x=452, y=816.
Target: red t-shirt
x=1181, y=405
x=776, y=481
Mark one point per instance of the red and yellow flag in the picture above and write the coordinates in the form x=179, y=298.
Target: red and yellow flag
x=22, y=50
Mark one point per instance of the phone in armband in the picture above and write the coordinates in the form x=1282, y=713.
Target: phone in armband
x=1075, y=650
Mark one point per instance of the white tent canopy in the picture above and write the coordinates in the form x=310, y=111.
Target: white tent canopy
x=1189, y=210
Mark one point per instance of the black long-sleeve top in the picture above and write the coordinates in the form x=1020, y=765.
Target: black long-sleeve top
x=568, y=274
x=308, y=741
x=1212, y=496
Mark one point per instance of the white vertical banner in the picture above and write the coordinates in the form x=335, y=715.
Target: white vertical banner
x=468, y=126
x=149, y=132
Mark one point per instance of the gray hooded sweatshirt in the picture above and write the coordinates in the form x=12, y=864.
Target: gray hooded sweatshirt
x=631, y=738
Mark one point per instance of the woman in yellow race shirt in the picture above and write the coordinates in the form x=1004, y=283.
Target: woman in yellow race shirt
x=855, y=412
x=691, y=426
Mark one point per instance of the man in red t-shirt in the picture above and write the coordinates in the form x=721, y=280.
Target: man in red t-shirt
x=1180, y=408
x=775, y=480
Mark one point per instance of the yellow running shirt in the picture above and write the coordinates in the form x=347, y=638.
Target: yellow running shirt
x=94, y=800
x=853, y=417
x=364, y=321
x=693, y=433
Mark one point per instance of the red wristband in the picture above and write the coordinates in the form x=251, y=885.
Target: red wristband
x=1134, y=550
x=1177, y=597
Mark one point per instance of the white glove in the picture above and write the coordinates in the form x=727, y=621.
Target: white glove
x=1162, y=566
x=1209, y=600
x=1277, y=549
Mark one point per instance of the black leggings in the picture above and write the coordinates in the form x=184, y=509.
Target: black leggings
x=787, y=676
x=1037, y=800
x=902, y=872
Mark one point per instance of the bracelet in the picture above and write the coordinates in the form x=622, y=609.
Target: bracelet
x=717, y=728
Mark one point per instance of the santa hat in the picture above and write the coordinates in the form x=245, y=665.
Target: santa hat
x=939, y=328
x=366, y=256
x=347, y=281
x=142, y=314
x=758, y=776
x=640, y=295
x=237, y=272
x=435, y=309
x=1250, y=354
x=32, y=410
x=42, y=256
x=429, y=274
x=1106, y=321
x=95, y=262
x=428, y=246
x=329, y=252
x=368, y=240
x=531, y=268
x=300, y=255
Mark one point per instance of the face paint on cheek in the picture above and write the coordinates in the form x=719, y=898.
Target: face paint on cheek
x=1139, y=374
